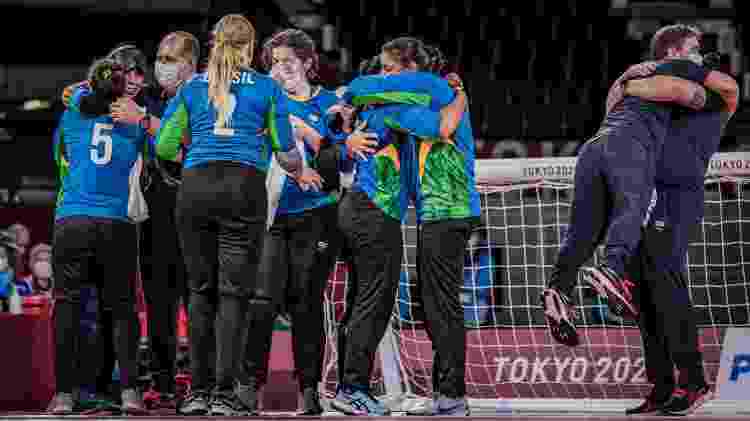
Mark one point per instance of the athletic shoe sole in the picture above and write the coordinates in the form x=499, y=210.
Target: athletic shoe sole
x=346, y=408
x=695, y=406
x=602, y=284
x=563, y=327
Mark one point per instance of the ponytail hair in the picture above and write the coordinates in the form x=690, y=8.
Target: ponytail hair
x=435, y=60
x=234, y=38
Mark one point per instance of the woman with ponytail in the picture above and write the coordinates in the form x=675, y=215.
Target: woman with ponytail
x=233, y=119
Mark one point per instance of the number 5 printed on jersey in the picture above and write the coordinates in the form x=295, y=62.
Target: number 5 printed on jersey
x=101, y=144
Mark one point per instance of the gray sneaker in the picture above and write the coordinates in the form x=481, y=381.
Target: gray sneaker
x=442, y=406
x=229, y=406
x=195, y=403
x=247, y=394
x=132, y=402
x=61, y=404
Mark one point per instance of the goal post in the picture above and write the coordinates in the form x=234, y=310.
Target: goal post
x=512, y=363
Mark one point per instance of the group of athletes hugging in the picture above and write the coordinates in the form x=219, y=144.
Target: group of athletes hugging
x=262, y=210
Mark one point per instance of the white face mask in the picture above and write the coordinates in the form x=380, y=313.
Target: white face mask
x=169, y=75
x=3, y=263
x=42, y=269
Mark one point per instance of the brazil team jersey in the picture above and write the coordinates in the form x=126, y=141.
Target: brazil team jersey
x=258, y=124
x=293, y=199
x=96, y=159
x=440, y=173
x=379, y=176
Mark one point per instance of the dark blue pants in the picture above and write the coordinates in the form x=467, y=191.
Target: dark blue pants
x=376, y=243
x=221, y=214
x=614, y=181
x=299, y=253
x=667, y=319
x=101, y=252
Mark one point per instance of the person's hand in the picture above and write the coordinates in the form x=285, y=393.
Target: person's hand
x=126, y=111
x=454, y=81
x=67, y=93
x=346, y=112
x=309, y=179
x=361, y=143
x=303, y=131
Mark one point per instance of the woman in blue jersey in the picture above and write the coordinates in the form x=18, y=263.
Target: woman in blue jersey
x=300, y=249
x=221, y=204
x=94, y=235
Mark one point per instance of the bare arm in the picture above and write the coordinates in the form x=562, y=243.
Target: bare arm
x=451, y=114
x=617, y=90
x=726, y=86
x=668, y=89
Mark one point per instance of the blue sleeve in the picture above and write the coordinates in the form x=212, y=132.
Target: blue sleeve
x=75, y=100
x=277, y=120
x=684, y=69
x=416, y=88
x=417, y=121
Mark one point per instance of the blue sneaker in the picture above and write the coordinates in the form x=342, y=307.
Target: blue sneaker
x=354, y=401
x=442, y=406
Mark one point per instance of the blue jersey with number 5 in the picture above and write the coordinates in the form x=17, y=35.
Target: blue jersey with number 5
x=96, y=157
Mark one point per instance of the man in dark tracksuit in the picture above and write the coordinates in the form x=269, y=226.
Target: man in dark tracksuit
x=614, y=181
x=667, y=321
x=162, y=264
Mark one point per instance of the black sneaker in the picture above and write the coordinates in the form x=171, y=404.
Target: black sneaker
x=311, y=402
x=685, y=401
x=560, y=314
x=618, y=290
x=652, y=405
x=248, y=394
x=194, y=403
x=229, y=406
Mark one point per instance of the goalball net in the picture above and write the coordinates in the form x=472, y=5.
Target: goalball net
x=512, y=363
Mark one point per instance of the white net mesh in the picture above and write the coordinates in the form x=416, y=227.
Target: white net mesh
x=525, y=210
